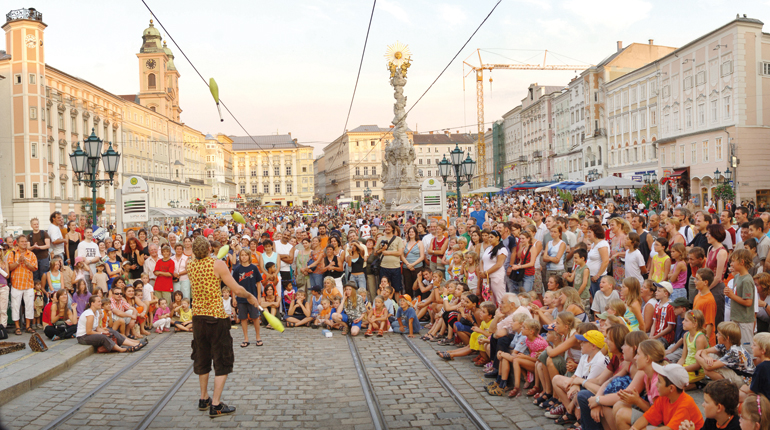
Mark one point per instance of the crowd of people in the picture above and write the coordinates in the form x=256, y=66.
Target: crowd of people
x=603, y=311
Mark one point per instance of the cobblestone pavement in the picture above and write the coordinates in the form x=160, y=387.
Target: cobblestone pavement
x=298, y=379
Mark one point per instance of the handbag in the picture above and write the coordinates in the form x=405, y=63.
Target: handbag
x=518, y=274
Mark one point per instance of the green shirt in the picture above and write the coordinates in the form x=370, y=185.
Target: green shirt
x=744, y=288
x=580, y=272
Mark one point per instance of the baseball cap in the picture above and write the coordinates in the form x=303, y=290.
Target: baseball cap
x=317, y=288
x=603, y=316
x=574, y=216
x=665, y=285
x=549, y=327
x=681, y=302
x=111, y=250
x=594, y=336
x=674, y=373
x=407, y=297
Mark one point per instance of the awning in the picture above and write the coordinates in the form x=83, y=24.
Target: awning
x=531, y=185
x=675, y=175
x=172, y=213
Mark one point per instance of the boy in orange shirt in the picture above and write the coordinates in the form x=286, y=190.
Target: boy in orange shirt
x=704, y=302
x=673, y=405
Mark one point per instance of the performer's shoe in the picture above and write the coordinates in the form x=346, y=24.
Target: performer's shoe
x=220, y=410
x=204, y=404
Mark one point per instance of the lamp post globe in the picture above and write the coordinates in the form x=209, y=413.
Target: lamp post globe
x=457, y=155
x=79, y=159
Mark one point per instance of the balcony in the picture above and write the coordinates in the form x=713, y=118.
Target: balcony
x=537, y=154
x=522, y=159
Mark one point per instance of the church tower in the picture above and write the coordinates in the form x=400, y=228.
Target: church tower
x=158, y=77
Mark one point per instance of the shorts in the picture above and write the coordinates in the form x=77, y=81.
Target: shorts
x=212, y=342
x=617, y=384
x=247, y=310
x=731, y=376
x=164, y=295
x=697, y=376
x=460, y=327
x=558, y=362
x=345, y=319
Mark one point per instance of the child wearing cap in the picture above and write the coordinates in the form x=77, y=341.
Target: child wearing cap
x=674, y=350
x=112, y=266
x=672, y=406
x=406, y=317
x=664, y=321
x=592, y=364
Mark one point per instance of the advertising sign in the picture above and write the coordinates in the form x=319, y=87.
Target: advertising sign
x=135, y=200
x=433, y=198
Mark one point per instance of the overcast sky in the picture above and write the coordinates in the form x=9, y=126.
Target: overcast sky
x=290, y=66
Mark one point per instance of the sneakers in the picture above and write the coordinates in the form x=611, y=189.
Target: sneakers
x=166, y=330
x=159, y=330
x=556, y=412
x=220, y=410
x=204, y=404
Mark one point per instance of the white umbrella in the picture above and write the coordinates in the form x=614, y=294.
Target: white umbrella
x=543, y=189
x=485, y=190
x=610, y=183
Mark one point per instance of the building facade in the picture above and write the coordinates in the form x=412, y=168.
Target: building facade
x=430, y=148
x=514, y=158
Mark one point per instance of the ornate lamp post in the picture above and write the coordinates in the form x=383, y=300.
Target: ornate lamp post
x=463, y=169
x=85, y=165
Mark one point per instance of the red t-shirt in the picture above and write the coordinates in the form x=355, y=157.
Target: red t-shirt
x=164, y=283
x=47, y=314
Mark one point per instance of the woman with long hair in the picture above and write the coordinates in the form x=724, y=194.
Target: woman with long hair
x=412, y=258
x=89, y=332
x=598, y=255
x=716, y=257
x=133, y=253
x=630, y=294
x=493, y=273
x=73, y=240
x=62, y=320
x=672, y=228
x=302, y=272
x=619, y=229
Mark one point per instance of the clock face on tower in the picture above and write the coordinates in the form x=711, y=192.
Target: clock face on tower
x=30, y=39
x=151, y=64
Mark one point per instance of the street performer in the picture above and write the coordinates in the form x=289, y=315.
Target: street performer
x=211, y=326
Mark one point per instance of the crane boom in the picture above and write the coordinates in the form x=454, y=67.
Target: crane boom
x=479, y=71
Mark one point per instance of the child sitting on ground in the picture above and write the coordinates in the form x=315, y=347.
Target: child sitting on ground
x=760, y=382
x=720, y=404
x=467, y=318
x=727, y=359
x=606, y=293
x=378, y=318
x=535, y=345
x=664, y=321
x=270, y=301
x=324, y=317
x=694, y=340
x=406, y=318
x=185, y=317
x=486, y=312
x=673, y=406
x=162, y=320
x=299, y=311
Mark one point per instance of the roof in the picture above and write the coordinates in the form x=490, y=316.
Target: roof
x=257, y=143
x=442, y=138
x=369, y=129
x=4, y=55
x=133, y=98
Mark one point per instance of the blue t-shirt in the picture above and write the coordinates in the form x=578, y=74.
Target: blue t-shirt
x=247, y=277
x=760, y=383
x=480, y=217
x=405, y=316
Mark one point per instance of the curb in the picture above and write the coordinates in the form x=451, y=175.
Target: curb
x=43, y=373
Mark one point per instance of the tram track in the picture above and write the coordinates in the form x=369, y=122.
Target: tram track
x=148, y=417
x=377, y=407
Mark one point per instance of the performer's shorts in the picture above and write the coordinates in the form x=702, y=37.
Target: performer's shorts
x=212, y=342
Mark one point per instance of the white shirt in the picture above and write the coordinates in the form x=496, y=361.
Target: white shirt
x=89, y=251
x=591, y=369
x=282, y=249
x=147, y=293
x=594, y=261
x=82, y=322
x=426, y=242
x=366, y=231
x=634, y=262
x=687, y=232
x=55, y=234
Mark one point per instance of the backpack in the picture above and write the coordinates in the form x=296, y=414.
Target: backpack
x=3, y=332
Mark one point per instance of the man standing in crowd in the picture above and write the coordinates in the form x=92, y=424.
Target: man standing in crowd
x=479, y=214
x=22, y=263
x=286, y=258
x=725, y=218
x=40, y=243
x=741, y=217
x=654, y=225
x=684, y=218
x=55, y=235
x=391, y=247
x=89, y=251
x=150, y=262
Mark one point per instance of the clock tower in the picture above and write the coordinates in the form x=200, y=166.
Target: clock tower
x=158, y=77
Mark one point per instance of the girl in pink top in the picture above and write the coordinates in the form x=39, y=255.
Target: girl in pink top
x=162, y=317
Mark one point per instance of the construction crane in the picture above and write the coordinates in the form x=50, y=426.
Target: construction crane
x=479, y=70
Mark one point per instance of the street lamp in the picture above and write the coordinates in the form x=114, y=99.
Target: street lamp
x=463, y=170
x=85, y=165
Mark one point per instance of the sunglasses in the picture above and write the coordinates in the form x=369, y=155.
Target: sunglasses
x=117, y=294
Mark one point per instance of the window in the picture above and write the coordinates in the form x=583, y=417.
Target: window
x=428, y=161
x=663, y=158
x=643, y=119
x=358, y=171
x=653, y=88
x=61, y=121
x=633, y=122
x=266, y=188
x=254, y=189
x=243, y=189
x=17, y=79
x=718, y=148
x=85, y=128
x=277, y=171
x=681, y=154
x=62, y=157
x=304, y=170
x=265, y=173
x=420, y=162
x=705, y=155
x=374, y=183
x=288, y=188
x=33, y=112
x=653, y=117
x=693, y=154
x=714, y=111
x=700, y=78
x=766, y=69
x=288, y=170
x=21, y=186
x=727, y=68
x=366, y=171
x=701, y=114
x=688, y=82
x=625, y=98
x=253, y=172
x=688, y=116
x=726, y=107
x=633, y=95
x=642, y=91
x=666, y=91
x=374, y=171
x=374, y=142
x=34, y=186
x=278, y=188
x=358, y=184
x=151, y=81
x=33, y=150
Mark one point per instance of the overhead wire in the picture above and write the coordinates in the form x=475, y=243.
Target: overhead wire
x=403, y=118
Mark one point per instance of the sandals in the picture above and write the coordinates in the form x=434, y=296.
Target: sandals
x=534, y=391
x=445, y=355
x=368, y=333
x=491, y=386
x=18, y=332
x=30, y=330
x=516, y=392
x=496, y=391
x=245, y=344
x=380, y=333
x=258, y=343
x=291, y=324
x=446, y=342
x=345, y=330
x=134, y=348
x=566, y=419
x=556, y=412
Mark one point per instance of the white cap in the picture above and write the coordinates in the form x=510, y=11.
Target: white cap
x=674, y=373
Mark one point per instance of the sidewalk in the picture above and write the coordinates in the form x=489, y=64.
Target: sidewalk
x=22, y=371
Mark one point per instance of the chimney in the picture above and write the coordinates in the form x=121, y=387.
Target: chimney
x=620, y=45
x=431, y=132
x=391, y=126
x=446, y=132
x=458, y=131
x=650, y=41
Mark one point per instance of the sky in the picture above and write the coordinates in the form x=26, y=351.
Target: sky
x=290, y=65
